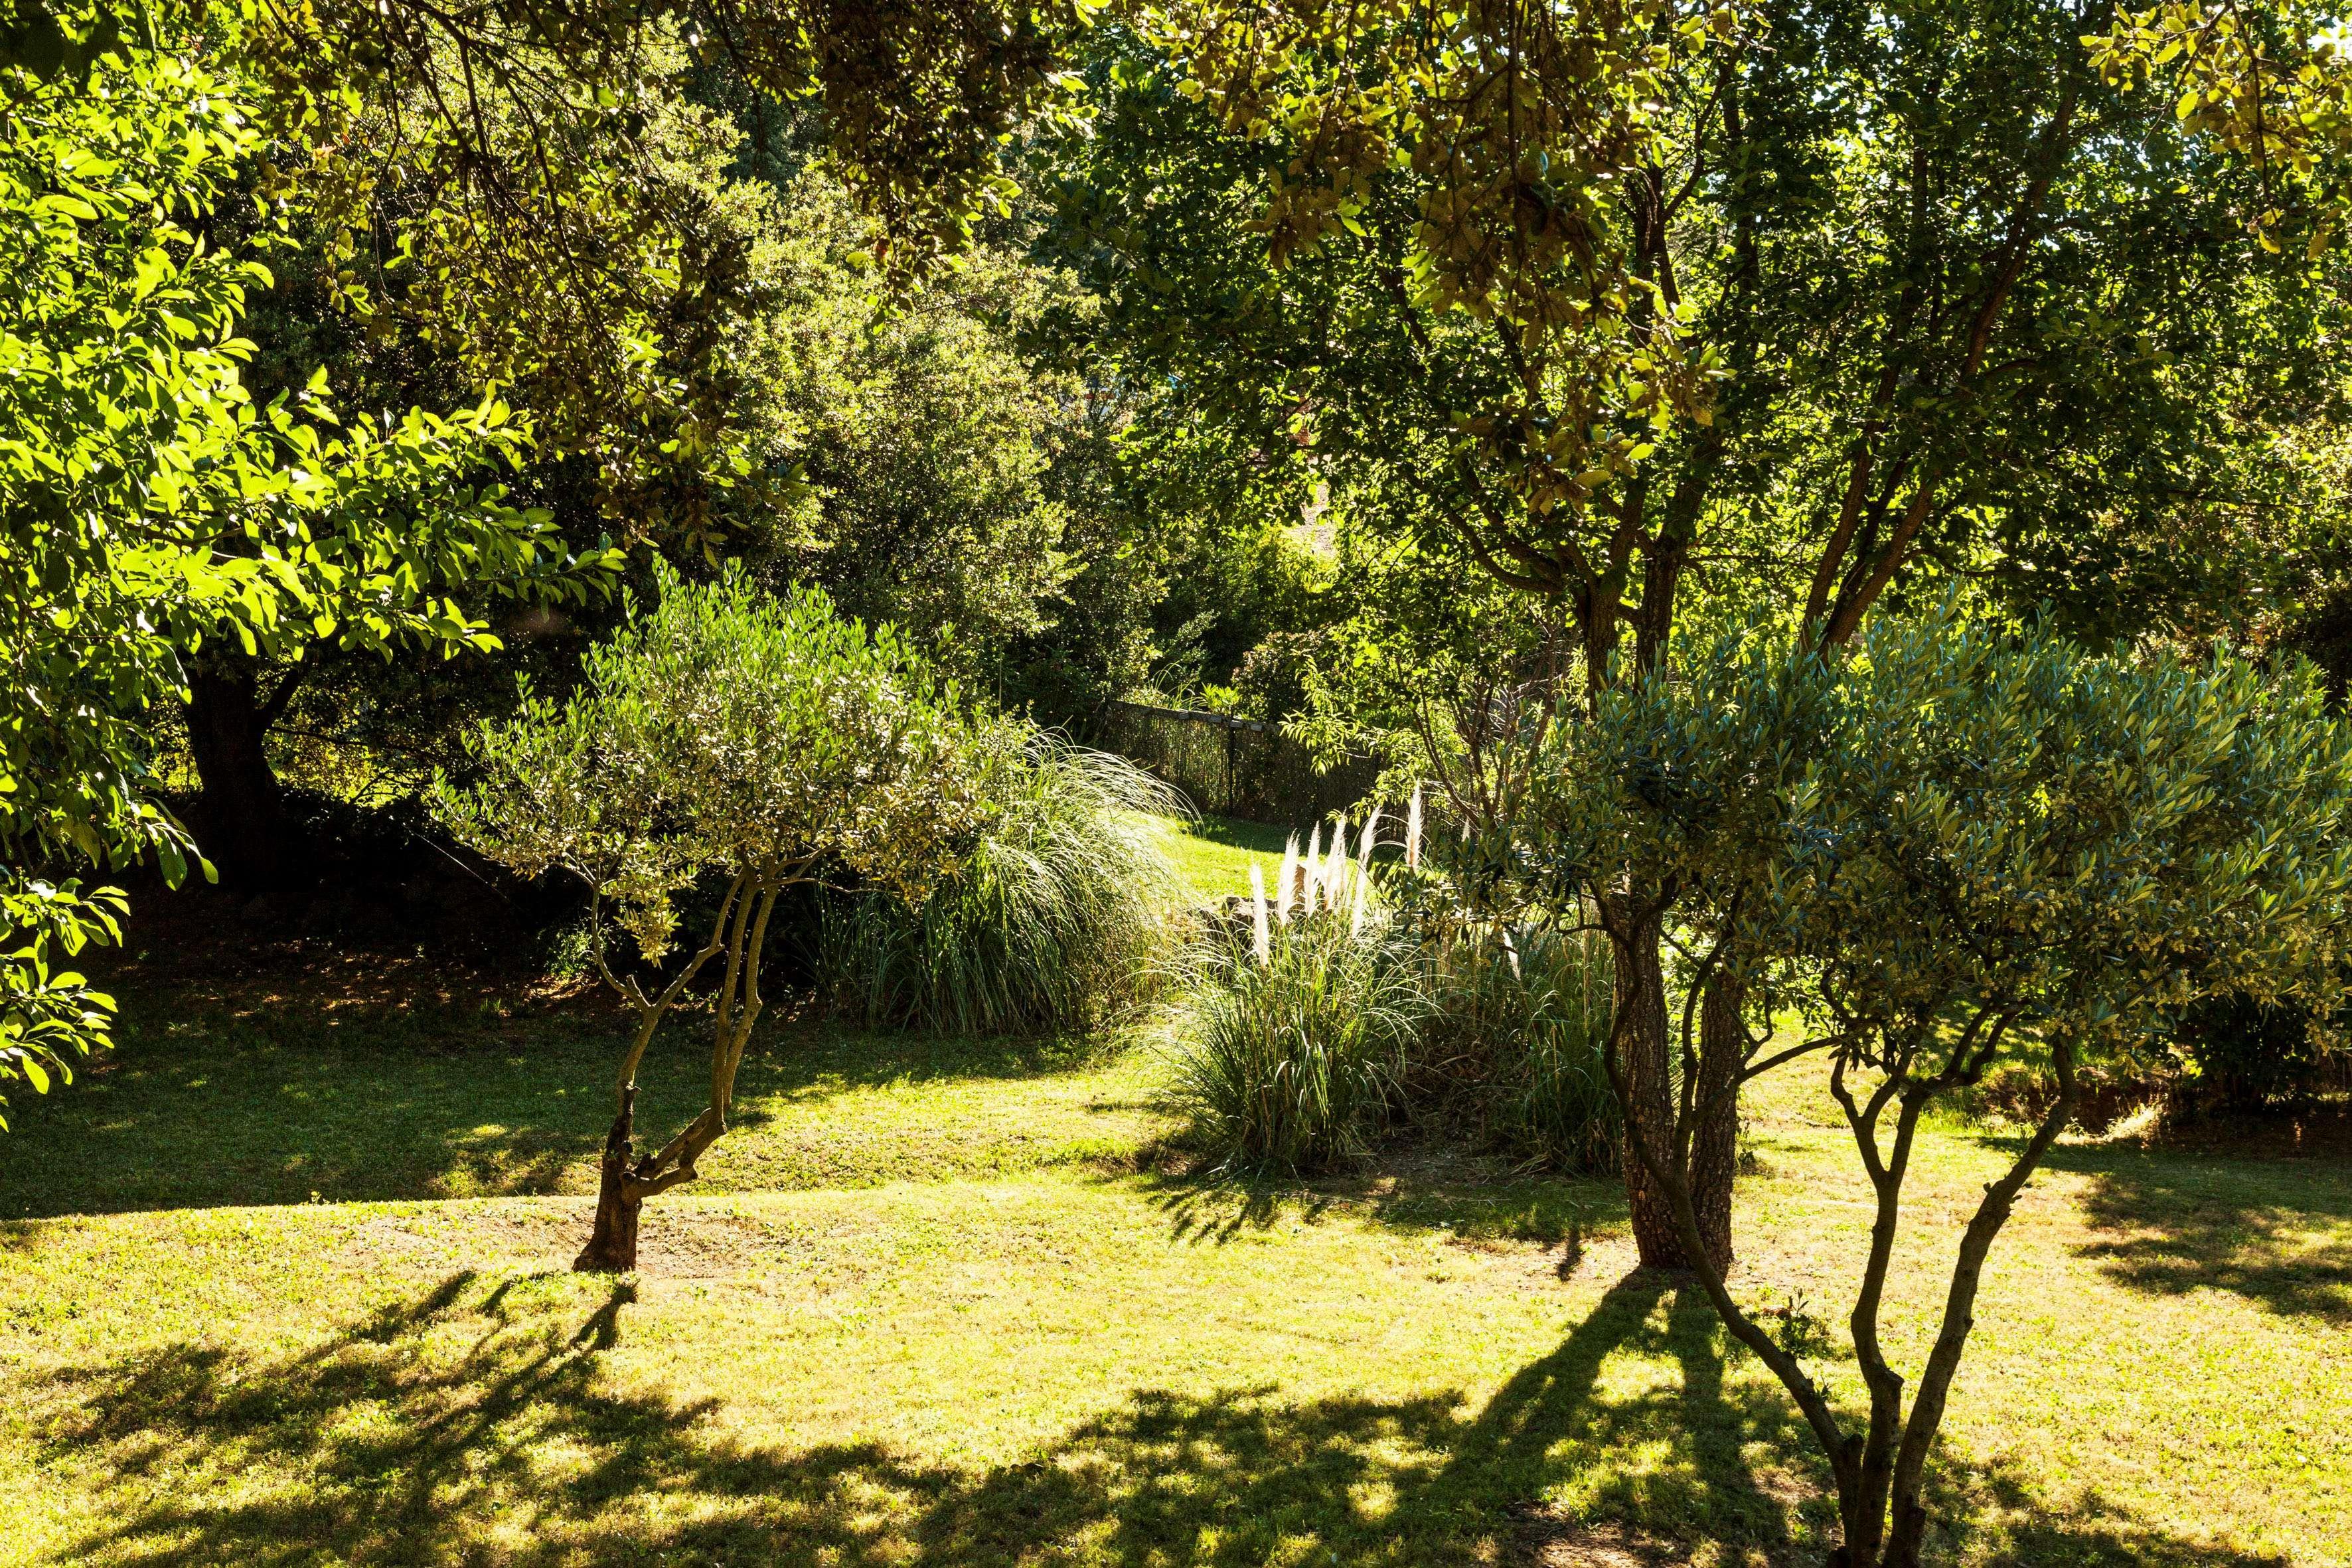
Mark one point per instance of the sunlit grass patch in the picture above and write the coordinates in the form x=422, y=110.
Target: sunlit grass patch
x=936, y=1302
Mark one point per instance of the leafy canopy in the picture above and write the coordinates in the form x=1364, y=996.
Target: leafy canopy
x=150, y=505
x=725, y=730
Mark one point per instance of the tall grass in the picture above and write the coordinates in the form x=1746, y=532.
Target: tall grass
x=1523, y=1021
x=1290, y=1062
x=1334, y=1014
x=1059, y=919
x=1339, y=1012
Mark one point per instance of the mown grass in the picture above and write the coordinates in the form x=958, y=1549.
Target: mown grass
x=1215, y=853
x=937, y=1303
x=272, y=1099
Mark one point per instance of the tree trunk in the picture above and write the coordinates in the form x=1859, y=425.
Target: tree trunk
x=1648, y=1087
x=1648, y=1065
x=612, y=1243
x=1715, y=1146
x=246, y=831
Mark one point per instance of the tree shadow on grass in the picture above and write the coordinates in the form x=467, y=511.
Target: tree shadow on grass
x=2276, y=1232
x=204, y=1106
x=1479, y=1201
x=475, y=1423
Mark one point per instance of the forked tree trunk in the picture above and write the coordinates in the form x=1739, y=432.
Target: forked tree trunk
x=1646, y=1061
x=1881, y=1470
x=623, y=1184
x=612, y=1241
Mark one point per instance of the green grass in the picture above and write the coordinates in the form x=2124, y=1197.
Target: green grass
x=936, y=1303
x=1215, y=854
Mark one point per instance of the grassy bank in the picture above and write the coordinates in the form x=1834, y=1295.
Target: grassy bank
x=287, y=1284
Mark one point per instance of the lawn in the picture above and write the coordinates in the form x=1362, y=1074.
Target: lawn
x=285, y=1283
x=1216, y=852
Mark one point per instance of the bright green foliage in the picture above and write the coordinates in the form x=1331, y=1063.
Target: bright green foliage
x=47, y=1013
x=917, y=99
x=923, y=435
x=725, y=730
x=1502, y=148
x=1055, y=919
x=2075, y=844
x=1681, y=784
x=1953, y=291
x=1870, y=293
x=2271, y=85
x=150, y=505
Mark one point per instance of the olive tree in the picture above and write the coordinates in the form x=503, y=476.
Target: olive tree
x=1947, y=851
x=724, y=740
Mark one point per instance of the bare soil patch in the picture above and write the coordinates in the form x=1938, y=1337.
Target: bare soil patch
x=675, y=1242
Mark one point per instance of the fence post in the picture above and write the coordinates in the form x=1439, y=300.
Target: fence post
x=1233, y=798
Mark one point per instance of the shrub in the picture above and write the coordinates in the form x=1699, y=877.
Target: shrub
x=1056, y=918
x=1302, y=1035
x=2243, y=1057
x=1520, y=1034
x=1291, y=1041
x=2227, y=1058
x=720, y=738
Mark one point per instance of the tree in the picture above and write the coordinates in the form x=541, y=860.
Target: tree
x=1953, y=850
x=755, y=743
x=923, y=437
x=632, y=384
x=149, y=507
x=722, y=369
x=1653, y=312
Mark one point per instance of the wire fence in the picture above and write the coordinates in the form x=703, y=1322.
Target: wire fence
x=1245, y=768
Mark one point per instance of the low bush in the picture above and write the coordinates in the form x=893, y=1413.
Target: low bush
x=1058, y=917
x=2226, y=1058
x=2240, y=1057
x=1303, y=1033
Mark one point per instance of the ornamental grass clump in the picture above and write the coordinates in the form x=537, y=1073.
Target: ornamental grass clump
x=1058, y=917
x=1519, y=1042
x=1290, y=1037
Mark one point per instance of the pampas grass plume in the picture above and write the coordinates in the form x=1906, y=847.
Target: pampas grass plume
x=1313, y=868
x=1261, y=934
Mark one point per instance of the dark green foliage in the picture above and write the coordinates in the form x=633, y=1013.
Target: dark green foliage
x=1518, y=1045
x=2245, y=1057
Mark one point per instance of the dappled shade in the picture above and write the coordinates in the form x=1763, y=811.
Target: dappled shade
x=475, y=1420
